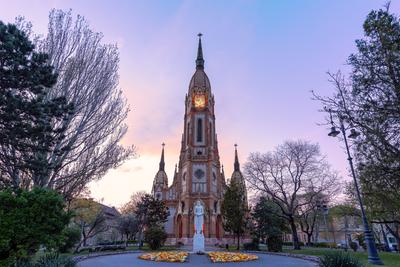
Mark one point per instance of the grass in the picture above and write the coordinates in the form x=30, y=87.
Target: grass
x=388, y=258
x=85, y=252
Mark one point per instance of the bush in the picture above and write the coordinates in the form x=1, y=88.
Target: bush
x=48, y=260
x=274, y=243
x=321, y=245
x=72, y=235
x=30, y=219
x=251, y=246
x=353, y=246
x=54, y=260
x=291, y=243
x=339, y=258
x=155, y=237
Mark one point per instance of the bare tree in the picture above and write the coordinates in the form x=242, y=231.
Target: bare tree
x=290, y=171
x=90, y=218
x=128, y=226
x=87, y=78
x=309, y=214
x=131, y=206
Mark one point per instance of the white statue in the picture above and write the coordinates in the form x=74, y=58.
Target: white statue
x=198, y=219
x=198, y=238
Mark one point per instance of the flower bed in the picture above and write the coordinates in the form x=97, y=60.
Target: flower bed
x=166, y=256
x=231, y=257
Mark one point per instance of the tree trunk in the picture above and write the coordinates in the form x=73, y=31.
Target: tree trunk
x=295, y=238
x=309, y=235
x=238, y=241
x=387, y=248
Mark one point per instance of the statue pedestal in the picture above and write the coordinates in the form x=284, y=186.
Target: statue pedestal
x=198, y=243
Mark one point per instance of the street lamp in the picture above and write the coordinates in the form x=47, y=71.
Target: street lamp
x=373, y=256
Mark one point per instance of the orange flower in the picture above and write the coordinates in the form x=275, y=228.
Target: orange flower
x=165, y=256
x=231, y=257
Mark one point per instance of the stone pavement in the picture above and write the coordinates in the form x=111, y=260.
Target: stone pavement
x=131, y=260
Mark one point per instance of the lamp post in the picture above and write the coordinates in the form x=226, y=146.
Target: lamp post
x=373, y=256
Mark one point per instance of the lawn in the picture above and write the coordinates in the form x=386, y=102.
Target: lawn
x=389, y=259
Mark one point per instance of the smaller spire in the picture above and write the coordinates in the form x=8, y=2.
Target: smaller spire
x=222, y=171
x=236, y=165
x=200, y=59
x=162, y=162
x=176, y=167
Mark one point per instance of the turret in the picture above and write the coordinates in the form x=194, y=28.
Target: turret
x=160, y=183
x=237, y=176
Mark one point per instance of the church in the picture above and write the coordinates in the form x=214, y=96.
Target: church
x=199, y=174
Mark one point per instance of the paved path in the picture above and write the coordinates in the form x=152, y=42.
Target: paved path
x=131, y=260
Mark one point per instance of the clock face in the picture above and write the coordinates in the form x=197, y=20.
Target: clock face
x=200, y=101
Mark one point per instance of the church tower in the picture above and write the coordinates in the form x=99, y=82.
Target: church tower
x=198, y=175
x=199, y=166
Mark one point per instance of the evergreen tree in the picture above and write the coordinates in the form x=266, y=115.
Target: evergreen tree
x=28, y=220
x=268, y=219
x=150, y=212
x=234, y=211
x=28, y=120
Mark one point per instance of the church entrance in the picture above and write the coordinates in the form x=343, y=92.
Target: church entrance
x=218, y=225
x=180, y=226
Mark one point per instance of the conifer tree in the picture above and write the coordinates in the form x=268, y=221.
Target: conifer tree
x=234, y=211
x=28, y=120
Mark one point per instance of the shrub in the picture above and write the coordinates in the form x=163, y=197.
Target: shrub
x=339, y=258
x=72, y=235
x=291, y=243
x=251, y=246
x=274, y=243
x=30, y=219
x=320, y=245
x=155, y=236
x=48, y=260
x=54, y=260
x=353, y=246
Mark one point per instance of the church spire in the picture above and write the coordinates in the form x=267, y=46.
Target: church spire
x=199, y=59
x=162, y=163
x=236, y=165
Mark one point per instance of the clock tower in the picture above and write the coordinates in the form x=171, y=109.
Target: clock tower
x=198, y=175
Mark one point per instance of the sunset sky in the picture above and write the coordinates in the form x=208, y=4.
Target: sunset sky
x=262, y=57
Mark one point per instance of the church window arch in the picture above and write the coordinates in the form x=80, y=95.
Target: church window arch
x=187, y=133
x=211, y=135
x=199, y=130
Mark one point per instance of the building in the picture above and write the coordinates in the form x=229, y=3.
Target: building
x=199, y=174
x=98, y=220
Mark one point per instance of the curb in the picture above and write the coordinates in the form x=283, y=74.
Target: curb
x=95, y=255
x=314, y=259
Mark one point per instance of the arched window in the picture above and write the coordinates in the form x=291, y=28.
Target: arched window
x=211, y=135
x=199, y=130
x=183, y=206
x=187, y=133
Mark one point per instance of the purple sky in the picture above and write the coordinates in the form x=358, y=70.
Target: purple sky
x=262, y=57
